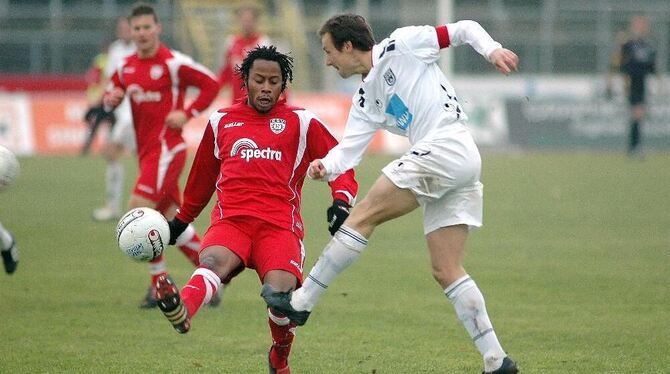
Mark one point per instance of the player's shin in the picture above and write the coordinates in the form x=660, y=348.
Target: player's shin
x=199, y=290
x=283, y=332
x=343, y=249
x=157, y=267
x=471, y=310
x=114, y=180
x=189, y=244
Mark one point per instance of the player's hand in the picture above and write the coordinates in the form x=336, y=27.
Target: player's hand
x=113, y=98
x=504, y=60
x=336, y=215
x=316, y=170
x=177, y=227
x=176, y=119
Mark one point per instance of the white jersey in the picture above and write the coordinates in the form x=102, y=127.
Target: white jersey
x=118, y=50
x=122, y=132
x=405, y=92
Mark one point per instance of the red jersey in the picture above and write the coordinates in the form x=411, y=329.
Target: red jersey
x=257, y=164
x=156, y=86
x=236, y=50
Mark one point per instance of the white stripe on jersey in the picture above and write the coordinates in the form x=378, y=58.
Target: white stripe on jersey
x=177, y=60
x=305, y=118
x=165, y=159
x=214, y=120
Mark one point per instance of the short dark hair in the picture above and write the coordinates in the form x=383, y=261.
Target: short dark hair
x=269, y=53
x=143, y=9
x=349, y=27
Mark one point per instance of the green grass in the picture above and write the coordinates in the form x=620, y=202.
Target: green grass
x=573, y=261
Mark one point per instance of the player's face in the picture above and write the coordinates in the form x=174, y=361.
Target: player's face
x=145, y=32
x=342, y=60
x=264, y=85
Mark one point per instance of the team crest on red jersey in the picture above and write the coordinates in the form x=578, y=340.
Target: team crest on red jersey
x=277, y=125
x=156, y=72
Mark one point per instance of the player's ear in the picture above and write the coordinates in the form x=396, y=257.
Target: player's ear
x=347, y=46
x=159, y=26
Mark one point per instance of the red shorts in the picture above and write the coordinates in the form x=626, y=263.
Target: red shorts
x=259, y=244
x=158, y=178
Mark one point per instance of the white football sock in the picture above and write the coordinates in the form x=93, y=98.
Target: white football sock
x=5, y=238
x=114, y=185
x=157, y=266
x=186, y=236
x=342, y=250
x=471, y=310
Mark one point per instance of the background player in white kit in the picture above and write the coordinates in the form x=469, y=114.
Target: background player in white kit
x=121, y=135
x=403, y=91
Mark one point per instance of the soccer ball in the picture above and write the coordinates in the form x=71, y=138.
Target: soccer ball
x=9, y=168
x=142, y=234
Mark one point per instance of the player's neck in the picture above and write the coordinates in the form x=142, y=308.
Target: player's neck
x=150, y=52
x=365, y=62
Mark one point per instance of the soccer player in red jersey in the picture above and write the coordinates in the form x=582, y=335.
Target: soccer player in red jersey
x=254, y=155
x=156, y=78
x=236, y=48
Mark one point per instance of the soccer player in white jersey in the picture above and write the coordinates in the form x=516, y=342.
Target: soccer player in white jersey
x=121, y=135
x=403, y=91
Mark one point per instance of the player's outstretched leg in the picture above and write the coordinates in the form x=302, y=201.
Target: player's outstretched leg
x=171, y=305
x=281, y=302
x=508, y=367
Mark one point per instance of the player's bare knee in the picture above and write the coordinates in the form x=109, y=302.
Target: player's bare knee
x=441, y=276
x=446, y=275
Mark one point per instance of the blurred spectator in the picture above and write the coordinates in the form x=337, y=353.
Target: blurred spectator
x=636, y=60
x=236, y=49
x=121, y=135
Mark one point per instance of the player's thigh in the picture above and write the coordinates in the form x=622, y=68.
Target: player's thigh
x=123, y=134
x=158, y=176
x=638, y=111
x=383, y=202
x=278, y=256
x=235, y=236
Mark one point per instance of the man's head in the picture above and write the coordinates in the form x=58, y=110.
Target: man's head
x=265, y=73
x=639, y=26
x=248, y=17
x=345, y=38
x=145, y=29
x=123, y=29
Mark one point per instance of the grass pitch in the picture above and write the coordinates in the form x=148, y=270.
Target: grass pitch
x=573, y=261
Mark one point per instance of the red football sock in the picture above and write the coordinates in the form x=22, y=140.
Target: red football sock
x=283, y=332
x=199, y=290
x=157, y=268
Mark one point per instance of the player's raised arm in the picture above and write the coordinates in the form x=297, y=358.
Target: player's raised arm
x=196, y=75
x=472, y=33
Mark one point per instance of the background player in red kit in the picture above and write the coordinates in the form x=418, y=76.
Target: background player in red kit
x=236, y=48
x=255, y=155
x=156, y=78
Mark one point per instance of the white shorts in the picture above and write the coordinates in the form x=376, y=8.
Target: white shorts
x=444, y=176
x=122, y=132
